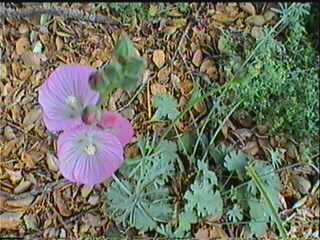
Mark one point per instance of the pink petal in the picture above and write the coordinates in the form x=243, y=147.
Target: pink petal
x=77, y=166
x=118, y=126
x=66, y=81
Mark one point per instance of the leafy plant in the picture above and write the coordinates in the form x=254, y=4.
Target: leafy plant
x=166, y=107
x=143, y=200
x=277, y=76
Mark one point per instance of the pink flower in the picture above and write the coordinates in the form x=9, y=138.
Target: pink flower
x=117, y=125
x=64, y=96
x=88, y=155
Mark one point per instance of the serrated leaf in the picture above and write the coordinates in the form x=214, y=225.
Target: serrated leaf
x=236, y=162
x=166, y=107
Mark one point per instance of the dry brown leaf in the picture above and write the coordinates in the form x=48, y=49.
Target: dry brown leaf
x=3, y=71
x=163, y=75
x=25, y=74
x=9, y=133
x=186, y=87
x=21, y=203
x=197, y=58
x=22, y=186
x=158, y=89
x=32, y=117
x=301, y=184
x=159, y=58
x=22, y=45
x=52, y=162
x=15, y=176
x=59, y=43
x=269, y=15
x=257, y=20
x=251, y=148
x=224, y=18
x=248, y=7
x=31, y=59
x=23, y=28
x=9, y=220
x=85, y=191
x=30, y=159
x=61, y=204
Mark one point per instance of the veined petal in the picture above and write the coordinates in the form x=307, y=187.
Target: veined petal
x=88, y=155
x=118, y=126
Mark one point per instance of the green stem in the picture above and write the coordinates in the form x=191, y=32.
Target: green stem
x=256, y=179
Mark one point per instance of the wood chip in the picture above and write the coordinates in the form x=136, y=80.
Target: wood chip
x=15, y=176
x=52, y=162
x=31, y=117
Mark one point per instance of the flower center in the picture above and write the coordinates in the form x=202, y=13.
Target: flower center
x=71, y=101
x=90, y=149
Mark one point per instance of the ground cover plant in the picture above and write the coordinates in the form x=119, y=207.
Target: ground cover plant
x=162, y=121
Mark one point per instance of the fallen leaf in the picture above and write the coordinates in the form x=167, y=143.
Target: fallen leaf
x=21, y=203
x=9, y=133
x=248, y=7
x=269, y=15
x=31, y=59
x=25, y=74
x=22, y=45
x=251, y=148
x=163, y=75
x=158, y=58
x=256, y=20
x=9, y=220
x=3, y=71
x=32, y=117
x=93, y=200
x=301, y=184
x=15, y=176
x=23, y=28
x=52, y=162
x=85, y=191
x=61, y=204
x=22, y=186
x=197, y=58
x=30, y=222
x=158, y=89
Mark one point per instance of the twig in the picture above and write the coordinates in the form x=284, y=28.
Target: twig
x=72, y=14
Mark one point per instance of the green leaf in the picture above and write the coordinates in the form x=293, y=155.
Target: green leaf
x=236, y=162
x=166, y=107
x=187, y=218
x=124, y=49
x=235, y=214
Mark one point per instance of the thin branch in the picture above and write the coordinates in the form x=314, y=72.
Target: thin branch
x=11, y=13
